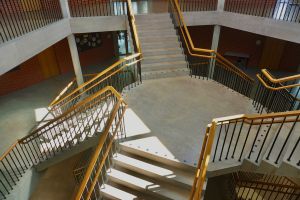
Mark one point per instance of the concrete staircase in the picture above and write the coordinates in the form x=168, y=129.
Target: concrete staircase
x=138, y=174
x=161, y=47
x=264, y=155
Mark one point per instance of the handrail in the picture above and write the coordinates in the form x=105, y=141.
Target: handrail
x=134, y=29
x=279, y=80
x=113, y=66
x=276, y=95
x=67, y=88
x=217, y=56
x=81, y=91
x=96, y=154
x=107, y=88
x=64, y=131
x=291, y=117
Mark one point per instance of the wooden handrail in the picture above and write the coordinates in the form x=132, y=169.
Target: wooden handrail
x=276, y=88
x=107, y=88
x=96, y=77
x=189, y=43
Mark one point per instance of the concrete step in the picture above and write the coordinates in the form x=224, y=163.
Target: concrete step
x=161, y=51
x=165, y=74
x=146, y=185
x=158, y=39
x=163, y=66
x=158, y=32
x=113, y=191
x=132, y=147
x=154, y=26
x=152, y=16
x=152, y=46
x=153, y=169
x=163, y=58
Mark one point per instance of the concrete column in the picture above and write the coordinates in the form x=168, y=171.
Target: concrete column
x=72, y=44
x=65, y=8
x=75, y=59
x=221, y=4
x=214, y=46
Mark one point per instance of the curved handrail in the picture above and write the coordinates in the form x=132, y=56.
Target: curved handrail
x=279, y=80
x=200, y=177
x=216, y=55
x=275, y=88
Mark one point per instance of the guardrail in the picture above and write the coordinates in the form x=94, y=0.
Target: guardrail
x=286, y=10
x=20, y=17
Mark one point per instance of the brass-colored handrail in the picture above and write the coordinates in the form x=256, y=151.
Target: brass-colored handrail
x=189, y=43
x=267, y=74
x=79, y=88
x=65, y=89
x=96, y=153
x=210, y=136
x=107, y=88
x=134, y=29
x=80, y=92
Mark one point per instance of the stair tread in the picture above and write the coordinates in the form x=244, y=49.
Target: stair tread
x=142, y=184
x=162, y=156
x=165, y=56
x=156, y=169
x=112, y=192
x=162, y=64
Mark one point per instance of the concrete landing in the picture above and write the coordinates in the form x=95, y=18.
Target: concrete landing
x=174, y=112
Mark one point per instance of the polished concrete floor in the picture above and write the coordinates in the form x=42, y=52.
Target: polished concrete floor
x=176, y=111
x=20, y=110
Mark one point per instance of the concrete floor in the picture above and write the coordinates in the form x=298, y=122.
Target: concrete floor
x=57, y=182
x=177, y=110
x=18, y=109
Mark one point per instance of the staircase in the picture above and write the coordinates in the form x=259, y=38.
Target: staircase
x=137, y=174
x=162, y=52
x=256, y=147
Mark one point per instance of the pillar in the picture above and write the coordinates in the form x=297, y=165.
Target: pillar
x=216, y=37
x=72, y=44
x=214, y=46
x=75, y=59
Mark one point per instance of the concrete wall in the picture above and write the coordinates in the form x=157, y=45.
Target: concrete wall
x=259, y=25
x=16, y=51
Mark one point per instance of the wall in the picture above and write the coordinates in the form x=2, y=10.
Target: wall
x=103, y=53
x=290, y=60
x=241, y=42
x=202, y=36
x=50, y=62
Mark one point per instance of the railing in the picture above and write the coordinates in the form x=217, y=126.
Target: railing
x=198, y=5
x=286, y=10
x=277, y=95
x=71, y=86
x=89, y=8
x=124, y=73
x=95, y=173
x=247, y=185
x=20, y=17
x=200, y=60
x=251, y=137
x=89, y=118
